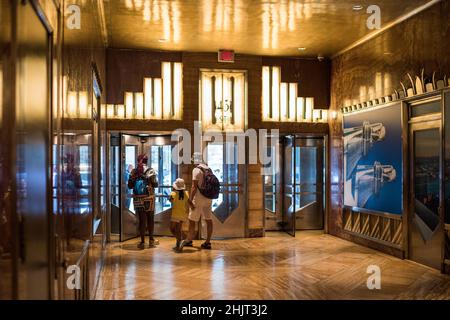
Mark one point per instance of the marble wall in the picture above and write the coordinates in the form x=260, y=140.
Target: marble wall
x=375, y=69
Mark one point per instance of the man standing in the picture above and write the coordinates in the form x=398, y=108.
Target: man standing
x=143, y=181
x=205, y=187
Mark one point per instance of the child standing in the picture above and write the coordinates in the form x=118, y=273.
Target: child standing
x=180, y=201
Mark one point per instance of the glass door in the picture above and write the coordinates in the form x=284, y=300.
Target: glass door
x=425, y=236
x=115, y=177
x=303, y=183
x=130, y=148
x=159, y=149
x=309, y=183
x=273, y=189
x=289, y=171
x=229, y=209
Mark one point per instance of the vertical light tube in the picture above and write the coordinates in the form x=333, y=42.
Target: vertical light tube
x=120, y=111
x=110, y=111
x=206, y=101
x=218, y=98
x=167, y=89
x=284, y=101
x=265, y=92
x=139, y=105
x=226, y=98
x=148, y=98
x=83, y=105
x=276, y=83
x=157, y=98
x=309, y=109
x=316, y=115
x=72, y=104
x=324, y=116
x=239, y=104
x=292, y=101
x=65, y=95
x=103, y=111
x=300, y=109
x=129, y=104
x=178, y=89
x=1, y=96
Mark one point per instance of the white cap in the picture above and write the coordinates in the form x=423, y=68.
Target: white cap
x=179, y=185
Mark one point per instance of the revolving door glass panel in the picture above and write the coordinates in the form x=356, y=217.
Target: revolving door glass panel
x=222, y=159
x=167, y=171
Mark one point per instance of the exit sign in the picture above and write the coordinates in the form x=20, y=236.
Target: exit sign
x=226, y=56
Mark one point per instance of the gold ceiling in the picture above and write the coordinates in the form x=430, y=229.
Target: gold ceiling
x=262, y=27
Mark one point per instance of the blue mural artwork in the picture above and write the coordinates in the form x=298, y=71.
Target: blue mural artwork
x=373, y=159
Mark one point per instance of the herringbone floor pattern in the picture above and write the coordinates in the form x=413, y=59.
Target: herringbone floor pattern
x=310, y=266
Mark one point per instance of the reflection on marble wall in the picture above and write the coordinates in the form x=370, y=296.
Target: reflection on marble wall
x=74, y=155
x=79, y=145
x=375, y=69
x=6, y=239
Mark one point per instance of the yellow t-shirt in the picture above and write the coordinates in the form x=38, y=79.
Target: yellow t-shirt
x=179, y=207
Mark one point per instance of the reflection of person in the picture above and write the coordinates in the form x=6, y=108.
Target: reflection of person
x=143, y=181
x=180, y=199
x=200, y=205
x=129, y=192
x=5, y=224
x=432, y=203
x=71, y=185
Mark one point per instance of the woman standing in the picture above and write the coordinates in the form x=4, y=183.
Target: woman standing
x=143, y=181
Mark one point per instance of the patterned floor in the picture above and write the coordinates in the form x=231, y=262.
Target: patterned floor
x=311, y=266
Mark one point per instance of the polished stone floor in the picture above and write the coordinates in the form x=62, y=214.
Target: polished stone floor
x=311, y=266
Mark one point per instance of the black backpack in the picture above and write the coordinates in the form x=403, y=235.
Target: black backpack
x=210, y=187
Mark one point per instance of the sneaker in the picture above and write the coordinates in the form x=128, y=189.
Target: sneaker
x=177, y=246
x=206, y=245
x=189, y=243
x=141, y=245
x=183, y=244
x=153, y=242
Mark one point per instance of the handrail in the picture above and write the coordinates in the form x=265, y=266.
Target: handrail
x=306, y=206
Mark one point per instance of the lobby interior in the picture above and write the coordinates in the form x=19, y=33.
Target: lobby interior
x=324, y=121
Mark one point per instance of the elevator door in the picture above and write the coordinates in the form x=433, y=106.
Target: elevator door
x=425, y=235
x=303, y=184
x=229, y=209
